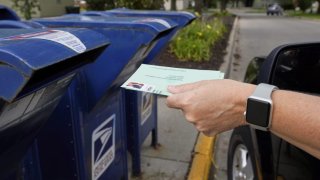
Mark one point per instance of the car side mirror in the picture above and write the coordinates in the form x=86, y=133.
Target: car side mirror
x=293, y=67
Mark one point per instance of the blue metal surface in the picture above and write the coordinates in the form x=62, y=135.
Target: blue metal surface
x=137, y=132
x=10, y=24
x=38, y=80
x=78, y=149
x=131, y=39
x=19, y=65
x=181, y=18
x=141, y=112
x=13, y=24
x=94, y=99
x=8, y=14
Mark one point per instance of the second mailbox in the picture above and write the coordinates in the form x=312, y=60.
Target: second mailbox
x=92, y=136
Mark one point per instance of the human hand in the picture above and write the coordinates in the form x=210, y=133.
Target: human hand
x=213, y=106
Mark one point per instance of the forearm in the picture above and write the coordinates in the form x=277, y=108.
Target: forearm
x=296, y=119
x=218, y=105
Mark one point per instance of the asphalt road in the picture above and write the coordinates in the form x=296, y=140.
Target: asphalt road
x=256, y=35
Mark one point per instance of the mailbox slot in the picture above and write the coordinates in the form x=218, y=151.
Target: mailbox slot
x=8, y=14
x=52, y=72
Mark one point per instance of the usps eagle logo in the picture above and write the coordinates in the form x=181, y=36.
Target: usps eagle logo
x=103, y=147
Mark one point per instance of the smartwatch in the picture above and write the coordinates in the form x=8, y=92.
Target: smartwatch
x=259, y=107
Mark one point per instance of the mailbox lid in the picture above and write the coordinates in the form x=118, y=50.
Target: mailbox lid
x=183, y=18
x=152, y=25
x=10, y=24
x=131, y=40
x=8, y=14
x=25, y=52
x=7, y=24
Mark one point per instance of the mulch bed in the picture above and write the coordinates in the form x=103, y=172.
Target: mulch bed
x=166, y=58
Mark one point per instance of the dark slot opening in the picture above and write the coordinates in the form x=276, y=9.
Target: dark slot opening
x=157, y=38
x=60, y=69
x=7, y=15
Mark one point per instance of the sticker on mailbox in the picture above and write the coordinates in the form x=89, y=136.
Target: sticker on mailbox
x=103, y=147
x=146, y=106
x=62, y=37
x=160, y=21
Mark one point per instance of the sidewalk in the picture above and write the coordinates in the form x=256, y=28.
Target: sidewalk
x=177, y=138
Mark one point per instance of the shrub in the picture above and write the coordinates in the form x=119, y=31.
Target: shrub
x=26, y=8
x=194, y=43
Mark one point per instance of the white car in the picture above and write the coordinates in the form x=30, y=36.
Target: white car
x=274, y=9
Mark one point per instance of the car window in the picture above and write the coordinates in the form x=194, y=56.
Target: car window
x=298, y=70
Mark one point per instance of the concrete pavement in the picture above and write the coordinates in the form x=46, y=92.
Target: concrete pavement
x=177, y=139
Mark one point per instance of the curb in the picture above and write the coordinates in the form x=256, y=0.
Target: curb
x=204, y=149
x=226, y=66
x=201, y=163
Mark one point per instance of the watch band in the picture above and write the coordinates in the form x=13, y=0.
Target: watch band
x=264, y=91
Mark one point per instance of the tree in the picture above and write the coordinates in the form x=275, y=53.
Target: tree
x=96, y=4
x=110, y=4
x=304, y=4
x=26, y=7
x=223, y=5
x=210, y=3
x=173, y=5
x=198, y=6
x=140, y=4
x=249, y=3
x=157, y=4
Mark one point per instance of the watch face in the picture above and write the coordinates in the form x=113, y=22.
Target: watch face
x=258, y=112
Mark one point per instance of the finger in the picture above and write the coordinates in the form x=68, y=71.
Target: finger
x=174, y=89
x=176, y=101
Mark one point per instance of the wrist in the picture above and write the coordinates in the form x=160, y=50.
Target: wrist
x=259, y=108
x=241, y=101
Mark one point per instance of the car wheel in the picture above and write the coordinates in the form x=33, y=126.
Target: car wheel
x=241, y=163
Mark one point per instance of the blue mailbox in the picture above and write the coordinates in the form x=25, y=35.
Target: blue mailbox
x=144, y=110
x=36, y=68
x=13, y=24
x=10, y=20
x=8, y=14
x=137, y=36
x=182, y=19
x=91, y=121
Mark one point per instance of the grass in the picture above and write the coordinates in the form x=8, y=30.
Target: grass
x=303, y=15
x=256, y=10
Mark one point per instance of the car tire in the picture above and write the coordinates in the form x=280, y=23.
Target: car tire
x=241, y=163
